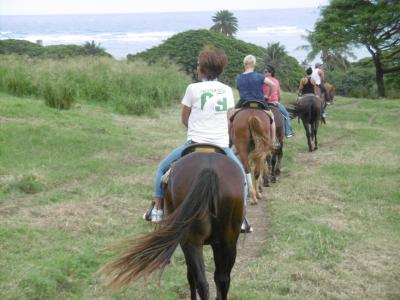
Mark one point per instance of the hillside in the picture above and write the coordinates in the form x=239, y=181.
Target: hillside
x=75, y=182
x=184, y=48
x=26, y=48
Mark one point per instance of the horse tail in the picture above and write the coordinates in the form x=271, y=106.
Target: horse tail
x=262, y=140
x=303, y=108
x=142, y=256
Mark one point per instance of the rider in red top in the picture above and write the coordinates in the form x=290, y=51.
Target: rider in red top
x=274, y=99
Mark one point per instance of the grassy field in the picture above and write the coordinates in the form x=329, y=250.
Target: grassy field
x=73, y=183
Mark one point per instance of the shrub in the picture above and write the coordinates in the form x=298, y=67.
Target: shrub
x=134, y=88
x=28, y=184
x=184, y=48
x=59, y=94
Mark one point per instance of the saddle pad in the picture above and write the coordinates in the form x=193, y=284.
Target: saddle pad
x=202, y=147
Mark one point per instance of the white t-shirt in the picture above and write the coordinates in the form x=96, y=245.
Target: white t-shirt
x=209, y=101
x=316, y=76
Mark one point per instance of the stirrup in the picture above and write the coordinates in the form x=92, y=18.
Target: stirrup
x=147, y=214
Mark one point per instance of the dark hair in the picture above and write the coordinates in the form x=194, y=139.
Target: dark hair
x=212, y=62
x=270, y=69
x=309, y=71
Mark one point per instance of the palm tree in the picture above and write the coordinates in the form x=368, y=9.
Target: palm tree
x=225, y=22
x=91, y=48
x=275, y=55
x=332, y=59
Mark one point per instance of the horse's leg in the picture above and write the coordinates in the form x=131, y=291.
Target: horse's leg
x=259, y=166
x=244, y=158
x=267, y=169
x=224, y=257
x=196, y=274
x=279, y=156
x=315, y=135
x=306, y=127
x=277, y=162
x=312, y=134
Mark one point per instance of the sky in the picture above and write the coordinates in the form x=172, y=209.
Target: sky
x=46, y=7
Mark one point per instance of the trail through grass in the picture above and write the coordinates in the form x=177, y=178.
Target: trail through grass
x=73, y=183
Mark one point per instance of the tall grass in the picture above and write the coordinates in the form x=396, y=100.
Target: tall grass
x=131, y=88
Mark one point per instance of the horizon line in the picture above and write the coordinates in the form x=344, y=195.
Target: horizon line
x=148, y=12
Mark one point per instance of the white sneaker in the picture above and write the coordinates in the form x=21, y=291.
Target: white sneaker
x=246, y=227
x=156, y=215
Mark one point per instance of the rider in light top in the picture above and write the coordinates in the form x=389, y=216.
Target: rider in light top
x=206, y=109
x=319, y=76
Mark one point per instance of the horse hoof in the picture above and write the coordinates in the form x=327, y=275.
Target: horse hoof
x=266, y=184
x=253, y=201
x=273, y=180
x=259, y=196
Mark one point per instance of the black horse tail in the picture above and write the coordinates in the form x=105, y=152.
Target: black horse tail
x=141, y=256
x=303, y=108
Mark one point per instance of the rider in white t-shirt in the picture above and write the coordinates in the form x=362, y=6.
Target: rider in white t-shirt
x=209, y=102
x=206, y=109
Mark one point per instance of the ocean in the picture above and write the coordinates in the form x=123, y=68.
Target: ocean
x=122, y=34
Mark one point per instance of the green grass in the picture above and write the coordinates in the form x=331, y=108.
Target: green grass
x=75, y=182
x=129, y=88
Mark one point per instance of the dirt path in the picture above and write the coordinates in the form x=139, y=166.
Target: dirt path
x=249, y=245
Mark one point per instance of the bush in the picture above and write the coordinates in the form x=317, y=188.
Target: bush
x=59, y=95
x=28, y=184
x=184, y=48
x=134, y=88
x=357, y=82
x=22, y=47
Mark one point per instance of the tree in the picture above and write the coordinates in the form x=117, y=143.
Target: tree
x=91, y=48
x=374, y=24
x=288, y=70
x=333, y=59
x=225, y=22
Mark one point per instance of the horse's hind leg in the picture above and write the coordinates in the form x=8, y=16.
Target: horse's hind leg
x=244, y=158
x=315, y=136
x=308, y=134
x=195, y=271
x=224, y=257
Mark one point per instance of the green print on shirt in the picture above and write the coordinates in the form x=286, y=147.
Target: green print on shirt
x=222, y=104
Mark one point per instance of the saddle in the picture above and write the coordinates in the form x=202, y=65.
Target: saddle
x=251, y=104
x=255, y=104
x=194, y=147
x=202, y=147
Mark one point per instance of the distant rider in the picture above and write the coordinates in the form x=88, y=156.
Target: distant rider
x=309, y=86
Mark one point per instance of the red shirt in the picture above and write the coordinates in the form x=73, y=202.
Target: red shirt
x=275, y=95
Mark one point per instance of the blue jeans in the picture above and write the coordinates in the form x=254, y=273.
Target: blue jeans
x=175, y=155
x=288, y=123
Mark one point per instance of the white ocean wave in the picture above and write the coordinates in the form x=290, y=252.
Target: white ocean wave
x=278, y=30
x=52, y=39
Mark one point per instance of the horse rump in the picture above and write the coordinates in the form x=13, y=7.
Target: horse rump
x=139, y=257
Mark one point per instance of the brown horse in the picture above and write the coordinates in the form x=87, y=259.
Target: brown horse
x=204, y=205
x=330, y=89
x=308, y=109
x=251, y=137
x=275, y=158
